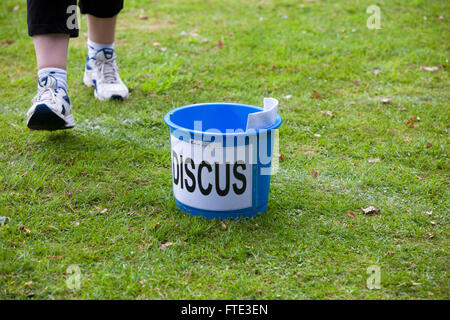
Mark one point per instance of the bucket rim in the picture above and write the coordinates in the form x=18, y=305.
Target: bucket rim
x=172, y=125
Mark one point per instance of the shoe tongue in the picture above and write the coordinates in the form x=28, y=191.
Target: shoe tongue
x=104, y=54
x=47, y=81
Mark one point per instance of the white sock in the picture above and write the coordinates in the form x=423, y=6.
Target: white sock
x=59, y=74
x=94, y=47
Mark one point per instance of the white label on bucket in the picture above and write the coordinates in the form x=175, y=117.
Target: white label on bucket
x=202, y=181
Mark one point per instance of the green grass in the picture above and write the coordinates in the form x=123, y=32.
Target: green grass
x=305, y=246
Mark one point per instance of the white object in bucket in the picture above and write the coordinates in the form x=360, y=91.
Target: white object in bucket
x=265, y=118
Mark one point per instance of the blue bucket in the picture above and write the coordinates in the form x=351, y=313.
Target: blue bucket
x=220, y=168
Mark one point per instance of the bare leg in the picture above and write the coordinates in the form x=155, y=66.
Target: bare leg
x=51, y=50
x=101, y=30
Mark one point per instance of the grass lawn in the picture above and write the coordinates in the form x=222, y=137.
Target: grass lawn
x=376, y=133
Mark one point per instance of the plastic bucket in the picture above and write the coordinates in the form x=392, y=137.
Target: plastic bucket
x=219, y=168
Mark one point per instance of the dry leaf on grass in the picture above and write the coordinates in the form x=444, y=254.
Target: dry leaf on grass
x=219, y=44
x=314, y=173
x=351, y=214
x=373, y=160
x=386, y=100
x=370, y=210
x=165, y=245
x=431, y=235
x=430, y=69
x=282, y=157
x=316, y=94
x=434, y=223
x=143, y=17
x=25, y=230
x=429, y=144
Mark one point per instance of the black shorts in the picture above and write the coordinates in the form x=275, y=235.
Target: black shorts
x=57, y=16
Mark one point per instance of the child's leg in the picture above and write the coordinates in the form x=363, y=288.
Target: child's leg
x=49, y=27
x=101, y=68
x=51, y=50
x=101, y=30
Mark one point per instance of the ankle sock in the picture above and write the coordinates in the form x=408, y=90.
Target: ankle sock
x=94, y=47
x=59, y=74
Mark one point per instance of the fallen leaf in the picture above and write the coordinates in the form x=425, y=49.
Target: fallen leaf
x=199, y=85
x=431, y=235
x=386, y=100
x=429, y=212
x=260, y=66
x=434, y=223
x=28, y=283
x=389, y=253
x=317, y=135
x=373, y=160
x=410, y=123
x=219, y=44
x=143, y=17
x=25, y=230
x=415, y=283
x=414, y=118
x=156, y=44
x=370, y=210
x=316, y=94
x=274, y=67
x=282, y=157
x=314, y=173
x=429, y=144
x=165, y=245
x=430, y=69
x=188, y=276
x=142, y=282
x=351, y=214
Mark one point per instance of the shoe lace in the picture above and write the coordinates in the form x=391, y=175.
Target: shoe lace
x=46, y=94
x=108, y=70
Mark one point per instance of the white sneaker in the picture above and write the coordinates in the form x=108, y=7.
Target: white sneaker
x=51, y=108
x=101, y=73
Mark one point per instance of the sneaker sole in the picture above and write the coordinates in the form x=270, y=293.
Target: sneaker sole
x=44, y=118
